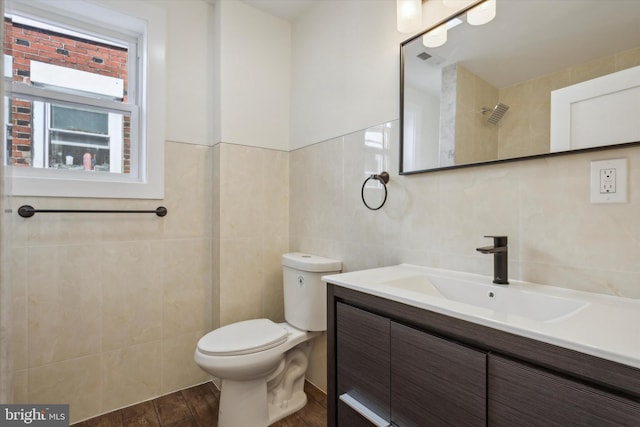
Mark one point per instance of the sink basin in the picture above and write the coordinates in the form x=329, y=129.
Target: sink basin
x=604, y=326
x=511, y=299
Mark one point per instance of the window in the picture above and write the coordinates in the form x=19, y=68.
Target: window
x=78, y=99
x=77, y=138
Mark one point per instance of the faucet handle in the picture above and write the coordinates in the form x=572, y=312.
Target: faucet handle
x=498, y=240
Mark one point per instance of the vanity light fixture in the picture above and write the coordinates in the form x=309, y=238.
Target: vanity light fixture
x=409, y=15
x=482, y=13
x=409, y=19
x=454, y=3
x=436, y=37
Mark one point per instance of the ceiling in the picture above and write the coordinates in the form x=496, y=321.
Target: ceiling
x=528, y=39
x=285, y=9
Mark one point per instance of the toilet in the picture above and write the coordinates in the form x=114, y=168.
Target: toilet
x=262, y=364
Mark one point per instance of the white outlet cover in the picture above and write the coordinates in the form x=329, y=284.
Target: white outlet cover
x=620, y=196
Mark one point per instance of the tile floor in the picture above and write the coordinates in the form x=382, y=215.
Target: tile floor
x=198, y=407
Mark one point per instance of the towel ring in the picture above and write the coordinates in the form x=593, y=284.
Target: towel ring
x=383, y=178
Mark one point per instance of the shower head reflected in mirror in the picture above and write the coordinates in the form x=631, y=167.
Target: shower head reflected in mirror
x=496, y=113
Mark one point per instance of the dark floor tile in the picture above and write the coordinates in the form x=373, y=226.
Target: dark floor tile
x=142, y=414
x=112, y=419
x=203, y=401
x=315, y=394
x=198, y=407
x=291, y=421
x=171, y=408
x=189, y=422
x=313, y=414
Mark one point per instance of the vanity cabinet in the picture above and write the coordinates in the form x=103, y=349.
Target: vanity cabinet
x=456, y=394
x=390, y=364
x=522, y=394
x=383, y=366
x=364, y=362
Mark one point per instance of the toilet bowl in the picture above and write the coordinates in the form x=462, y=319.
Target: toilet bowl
x=247, y=361
x=262, y=364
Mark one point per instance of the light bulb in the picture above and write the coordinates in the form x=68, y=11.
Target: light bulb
x=482, y=13
x=436, y=37
x=454, y=3
x=409, y=15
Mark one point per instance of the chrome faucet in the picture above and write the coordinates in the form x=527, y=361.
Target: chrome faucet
x=500, y=259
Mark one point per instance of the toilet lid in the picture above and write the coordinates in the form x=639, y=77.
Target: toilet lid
x=249, y=336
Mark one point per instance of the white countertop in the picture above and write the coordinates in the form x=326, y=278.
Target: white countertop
x=607, y=326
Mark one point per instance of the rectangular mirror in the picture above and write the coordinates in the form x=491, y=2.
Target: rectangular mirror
x=541, y=78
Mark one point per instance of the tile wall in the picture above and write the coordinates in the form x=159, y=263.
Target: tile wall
x=474, y=140
x=107, y=308
x=251, y=231
x=556, y=236
x=5, y=291
x=526, y=131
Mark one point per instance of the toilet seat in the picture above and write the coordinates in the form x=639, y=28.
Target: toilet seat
x=246, y=337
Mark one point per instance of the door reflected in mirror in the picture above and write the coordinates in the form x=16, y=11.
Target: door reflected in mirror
x=542, y=77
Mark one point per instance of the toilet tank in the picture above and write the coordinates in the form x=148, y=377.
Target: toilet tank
x=305, y=294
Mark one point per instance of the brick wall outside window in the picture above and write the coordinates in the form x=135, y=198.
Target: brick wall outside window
x=25, y=44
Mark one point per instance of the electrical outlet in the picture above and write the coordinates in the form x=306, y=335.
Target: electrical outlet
x=609, y=181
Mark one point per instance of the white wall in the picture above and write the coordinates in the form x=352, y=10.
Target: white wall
x=188, y=76
x=422, y=112
x=254, y=67
x=345, y=66
x=284, y=86
x=345, y=69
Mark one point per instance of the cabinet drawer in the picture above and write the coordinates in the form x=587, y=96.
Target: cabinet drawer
x=435, y=382
x=352, y=413
x=524, y=395
x=351, y=418
x=363, y=360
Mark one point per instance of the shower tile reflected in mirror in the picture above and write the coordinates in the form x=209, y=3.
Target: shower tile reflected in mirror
x=452, y=95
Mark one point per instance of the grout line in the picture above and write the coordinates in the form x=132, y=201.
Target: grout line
x=155, y=410
x=187, y=402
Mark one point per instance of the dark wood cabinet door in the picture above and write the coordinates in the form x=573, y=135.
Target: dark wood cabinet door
x=363, y=361
x=435, y=382
x=349, y=417
x=520, y=394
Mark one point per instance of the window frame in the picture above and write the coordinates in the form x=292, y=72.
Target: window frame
x=42, y=113
x=141, y=26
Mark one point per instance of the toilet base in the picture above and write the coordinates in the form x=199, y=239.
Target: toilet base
x=243, y=403
x=286, y=387
x=278, y=412
x=263, y=401
x=235, y=411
